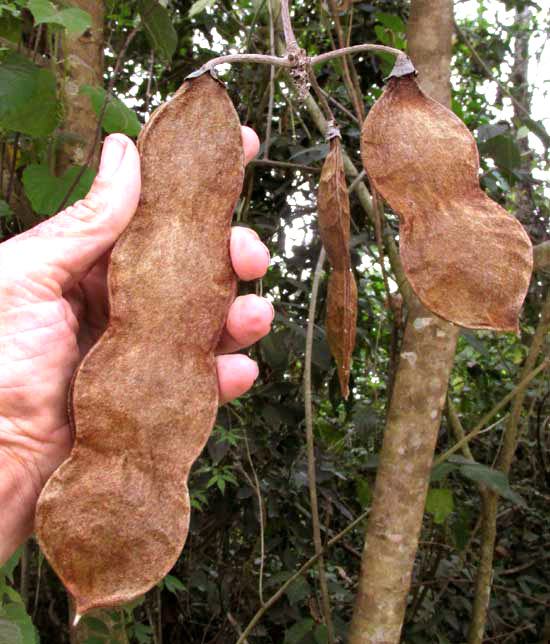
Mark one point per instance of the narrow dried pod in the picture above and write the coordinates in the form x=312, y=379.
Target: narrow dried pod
x=341, y=322
x=468, y=260
x=334, y=219
x=333, y=207
x=113, y=518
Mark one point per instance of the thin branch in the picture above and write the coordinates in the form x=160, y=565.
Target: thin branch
x=352, y=90
x=261, y=515
x=290, y=61
x=260, y=59
x=269, y=123
x=235, y=625
x=285, y=165
x=290, y=38
x=480, y=426
x=340, y=106
x=320, y=95
x=309, y=563
x=350, y=51
x=312, y=484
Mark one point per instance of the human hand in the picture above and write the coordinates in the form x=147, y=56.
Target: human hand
x=53, y=307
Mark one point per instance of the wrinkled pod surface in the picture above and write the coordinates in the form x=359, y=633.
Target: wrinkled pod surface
x=113, y=518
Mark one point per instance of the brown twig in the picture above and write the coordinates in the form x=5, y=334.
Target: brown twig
x=487, y=417
x=352, y=90
x=308, y=564
x=285, y=165
x=312, y=484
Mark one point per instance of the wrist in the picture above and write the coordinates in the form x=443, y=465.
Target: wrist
x=18, y=496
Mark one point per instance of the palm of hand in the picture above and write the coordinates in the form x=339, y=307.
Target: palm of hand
x=44, y=334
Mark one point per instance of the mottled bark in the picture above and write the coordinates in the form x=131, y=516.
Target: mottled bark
x=430, y=45
x=82, y=64
x=418, y=398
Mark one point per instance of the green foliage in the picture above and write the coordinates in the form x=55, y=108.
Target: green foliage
x=46, y=192
x=116, y=117
x=159, y=29
x=440, y=503
x=16, y=626
x=28, y=97
x=298, y=631
x=200, y=5
x=74, y=20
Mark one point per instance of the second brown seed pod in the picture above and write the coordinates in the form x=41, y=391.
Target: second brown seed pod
x=468, y=260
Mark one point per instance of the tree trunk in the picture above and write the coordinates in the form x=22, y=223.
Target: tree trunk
x=82, y=64
x=418, y=399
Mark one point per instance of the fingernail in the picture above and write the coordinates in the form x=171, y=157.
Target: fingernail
x=257, y=370
x=111, y=157
x=251, y=232
x=271, y=308
x=265, y=250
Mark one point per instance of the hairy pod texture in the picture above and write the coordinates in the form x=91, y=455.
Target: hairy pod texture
x=113, y=518
x=334, y=220
x=468, y=260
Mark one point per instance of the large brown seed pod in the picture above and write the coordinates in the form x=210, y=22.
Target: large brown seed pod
x=468, y=260
x=334, y=220
x=113, y=518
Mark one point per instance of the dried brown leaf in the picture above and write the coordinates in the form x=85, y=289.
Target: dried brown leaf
x=112, y=520
x=341, y=322
x=468, y=260
x=333, y=207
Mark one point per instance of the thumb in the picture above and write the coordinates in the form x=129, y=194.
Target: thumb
x=59, y=251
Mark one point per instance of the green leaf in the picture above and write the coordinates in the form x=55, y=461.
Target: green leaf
x=199, y=6
x=440, y=471
x=364, y=493
x=46, y=191
x=11, y=563
x=391, y=22
x=143, y=633
x=173, y=584
x=159, y=30
x=15, y=614
x=440, y=503
x=503, y=150
x=74, y=20
x=297, y=632
x=539, y=130
x=28, y=97
x=42, y=10
x=298, y=590
x=5, y=210
x=97, y=626
x=10, y=633
x=10, y=27
x=117, y=116
x=320, y=634
x=493, y=479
